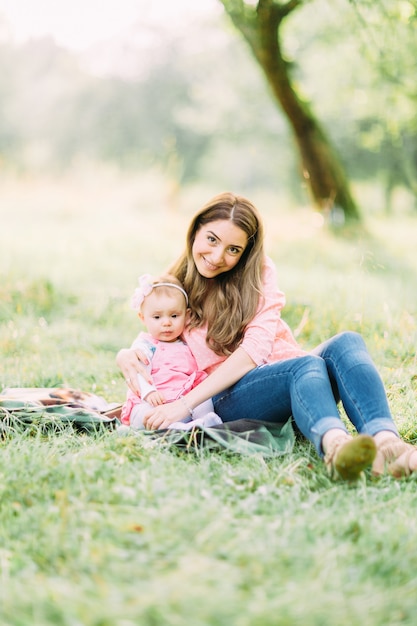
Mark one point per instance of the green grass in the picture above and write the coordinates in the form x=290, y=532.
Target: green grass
x=102, y=530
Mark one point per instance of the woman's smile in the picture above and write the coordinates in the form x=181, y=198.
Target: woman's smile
x=210, y=266
x=218, y=247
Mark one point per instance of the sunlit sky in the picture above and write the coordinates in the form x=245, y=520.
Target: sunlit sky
x=77, y=24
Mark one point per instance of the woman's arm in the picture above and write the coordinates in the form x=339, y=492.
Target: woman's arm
x=229, y=372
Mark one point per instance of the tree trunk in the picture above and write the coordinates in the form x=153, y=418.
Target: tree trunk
x=321, y=167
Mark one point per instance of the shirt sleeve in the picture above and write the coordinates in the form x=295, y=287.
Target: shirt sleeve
x=263, y=331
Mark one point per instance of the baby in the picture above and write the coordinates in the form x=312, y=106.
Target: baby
x=162, y=305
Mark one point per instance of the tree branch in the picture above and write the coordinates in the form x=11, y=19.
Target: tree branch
x=276, y=10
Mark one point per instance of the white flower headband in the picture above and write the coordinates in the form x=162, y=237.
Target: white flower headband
x=145, y=287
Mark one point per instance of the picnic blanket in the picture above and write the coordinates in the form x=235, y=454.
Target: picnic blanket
x=242, y=436
x=57, y=407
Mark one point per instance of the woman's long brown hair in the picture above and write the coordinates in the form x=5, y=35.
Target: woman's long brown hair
x=228, y=302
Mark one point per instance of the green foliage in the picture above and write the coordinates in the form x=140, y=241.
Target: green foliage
x=204, y=113
x=360, y=78
x=166, y=114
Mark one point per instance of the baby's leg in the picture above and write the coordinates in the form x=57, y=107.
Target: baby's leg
x=202, y=409
x=137, y=415
x=203, y=415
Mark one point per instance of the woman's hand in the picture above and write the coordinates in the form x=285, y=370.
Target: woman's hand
x=130, y=362
x=164, y=415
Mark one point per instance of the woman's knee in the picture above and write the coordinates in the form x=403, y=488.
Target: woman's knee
x=341, y=344
x=350, y=338
x=311, y=363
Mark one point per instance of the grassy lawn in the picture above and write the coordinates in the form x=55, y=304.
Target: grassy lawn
x=102, y=530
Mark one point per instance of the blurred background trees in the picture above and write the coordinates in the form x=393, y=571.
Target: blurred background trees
x=195, y=105
x=262, y=25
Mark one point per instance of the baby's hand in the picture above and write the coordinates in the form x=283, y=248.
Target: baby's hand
x=163, y=416
x=155, y=398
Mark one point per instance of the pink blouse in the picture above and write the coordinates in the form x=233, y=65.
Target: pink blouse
x=267, y=338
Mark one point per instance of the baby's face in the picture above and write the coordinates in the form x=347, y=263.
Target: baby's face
x=164, y=314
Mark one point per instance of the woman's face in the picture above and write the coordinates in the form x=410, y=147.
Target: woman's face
x=218, y=247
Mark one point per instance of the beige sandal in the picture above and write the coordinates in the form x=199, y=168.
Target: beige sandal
x=393, y=456
x=347, y=457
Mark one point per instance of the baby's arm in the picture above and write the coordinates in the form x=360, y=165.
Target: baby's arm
x=147, y=390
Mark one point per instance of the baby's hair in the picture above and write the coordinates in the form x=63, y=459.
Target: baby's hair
x=165, y=282
x=162, y=284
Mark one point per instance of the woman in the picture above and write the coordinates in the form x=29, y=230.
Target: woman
x=256, y=368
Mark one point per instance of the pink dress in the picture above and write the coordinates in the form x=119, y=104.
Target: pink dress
x=173, y=369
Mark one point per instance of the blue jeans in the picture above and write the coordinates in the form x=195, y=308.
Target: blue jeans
x=308, y=388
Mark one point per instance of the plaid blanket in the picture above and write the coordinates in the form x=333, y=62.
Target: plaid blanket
x=55, y=406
